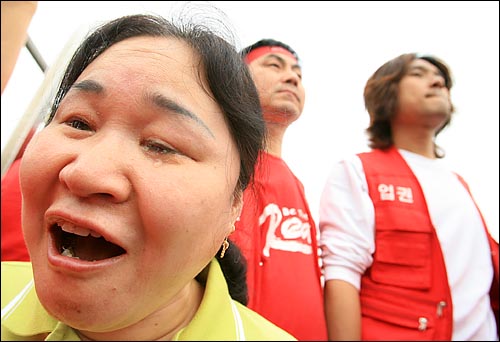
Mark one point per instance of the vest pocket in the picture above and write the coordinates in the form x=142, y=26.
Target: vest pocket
x=388, y=321
x=403, y=258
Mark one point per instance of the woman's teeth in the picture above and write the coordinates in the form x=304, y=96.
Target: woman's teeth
x=68, y=252
x=71, y=228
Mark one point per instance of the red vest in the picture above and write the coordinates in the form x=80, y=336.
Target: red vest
x=405, y=293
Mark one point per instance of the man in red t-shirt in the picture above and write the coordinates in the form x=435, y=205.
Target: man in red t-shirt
x=276, y=231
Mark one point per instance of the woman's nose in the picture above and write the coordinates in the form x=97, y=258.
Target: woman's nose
x=98, y=170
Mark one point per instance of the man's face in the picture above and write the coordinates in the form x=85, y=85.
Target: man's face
x=424, y=99
x=278, y=79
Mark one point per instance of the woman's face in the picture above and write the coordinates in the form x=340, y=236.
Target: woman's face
x=128, y=192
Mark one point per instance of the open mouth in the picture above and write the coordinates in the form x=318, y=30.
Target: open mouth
x=89, y=247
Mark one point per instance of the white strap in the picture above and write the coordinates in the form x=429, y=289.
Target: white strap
x=9, y=308
x=240, y=331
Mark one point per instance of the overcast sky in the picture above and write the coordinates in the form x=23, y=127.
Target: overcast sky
x=340, y=44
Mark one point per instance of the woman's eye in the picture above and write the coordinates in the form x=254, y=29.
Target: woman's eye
x=158, y=148
x=78, y=124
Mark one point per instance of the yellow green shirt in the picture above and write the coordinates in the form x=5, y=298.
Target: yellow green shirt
x=218, y=318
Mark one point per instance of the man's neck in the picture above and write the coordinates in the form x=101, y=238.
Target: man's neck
x=419, y=142
x=274, y=141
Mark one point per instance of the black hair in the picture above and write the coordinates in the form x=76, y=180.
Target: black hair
x=234, y=267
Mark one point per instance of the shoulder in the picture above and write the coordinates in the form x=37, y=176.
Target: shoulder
x=19, y=268
x=346, y=167
x=23, y=317
x=256, y=327
x=220, y=318
x=15, y=276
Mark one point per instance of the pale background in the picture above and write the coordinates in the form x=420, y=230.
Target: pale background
x=340, y=44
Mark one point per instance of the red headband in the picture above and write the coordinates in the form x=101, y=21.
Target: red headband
x=263, y=50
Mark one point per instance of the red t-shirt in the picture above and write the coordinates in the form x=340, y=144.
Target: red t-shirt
x=277, y=235
x=13, y=246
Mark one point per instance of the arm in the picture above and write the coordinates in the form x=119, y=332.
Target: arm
x=16, y=17
x=347, y=243
x=342, y=311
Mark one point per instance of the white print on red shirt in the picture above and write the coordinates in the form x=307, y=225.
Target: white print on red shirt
x=289, y=229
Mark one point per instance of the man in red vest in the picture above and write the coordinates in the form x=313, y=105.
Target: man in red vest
x=406, y=252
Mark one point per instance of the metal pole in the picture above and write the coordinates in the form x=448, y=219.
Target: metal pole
x=36, y=54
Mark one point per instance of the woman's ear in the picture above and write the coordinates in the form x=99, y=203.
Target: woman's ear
x=237, y=206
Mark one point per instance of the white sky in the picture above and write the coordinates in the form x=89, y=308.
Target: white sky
x=340, y=43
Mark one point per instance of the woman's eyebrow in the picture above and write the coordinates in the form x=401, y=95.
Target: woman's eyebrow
x=170, y=105
x=159, y=100
x=89, y=86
